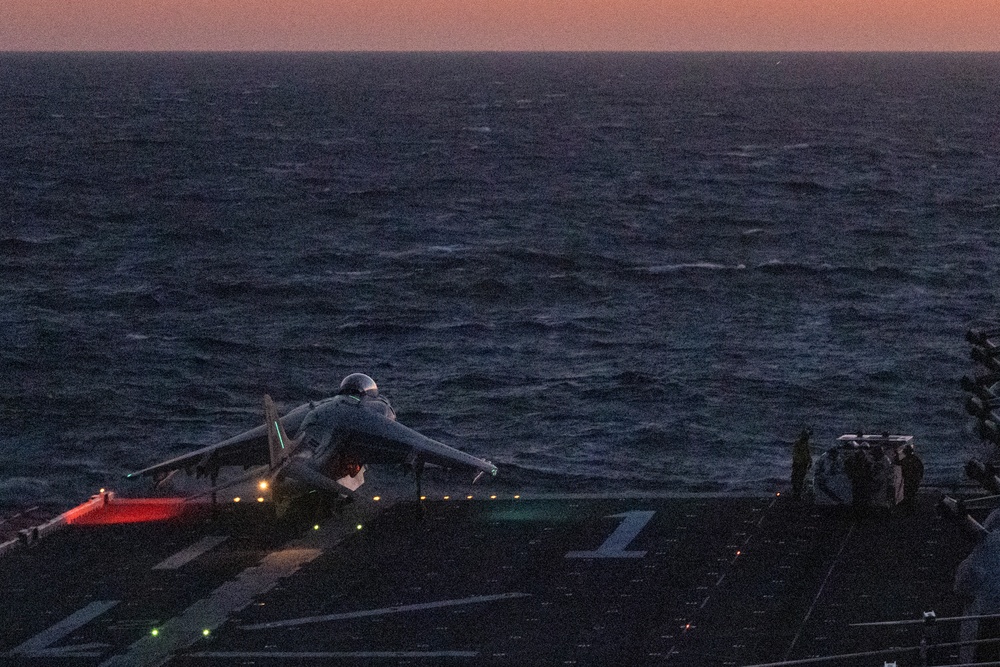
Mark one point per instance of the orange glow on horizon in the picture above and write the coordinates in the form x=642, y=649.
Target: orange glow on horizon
x=497, y=25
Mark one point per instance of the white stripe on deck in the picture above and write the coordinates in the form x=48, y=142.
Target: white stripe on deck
x=385, y=610
x=327, y=655
x=211, y=612
x=41, y=644
x=615, y=546
x=185, y=556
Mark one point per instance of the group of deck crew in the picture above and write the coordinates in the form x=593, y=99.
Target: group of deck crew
x=868, y=471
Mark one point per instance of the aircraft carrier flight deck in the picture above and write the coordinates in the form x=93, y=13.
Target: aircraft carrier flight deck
x=485, y=581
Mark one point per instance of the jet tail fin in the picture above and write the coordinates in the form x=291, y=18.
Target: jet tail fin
x=278, y=443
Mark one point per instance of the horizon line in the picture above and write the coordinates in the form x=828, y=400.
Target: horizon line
x=525, y=51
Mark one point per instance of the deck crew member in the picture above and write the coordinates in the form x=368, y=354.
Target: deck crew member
x=913, y=472
x=860, y=471
x=801, y=462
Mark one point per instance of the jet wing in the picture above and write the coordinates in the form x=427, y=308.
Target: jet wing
x=378, y=439
x=249, y=448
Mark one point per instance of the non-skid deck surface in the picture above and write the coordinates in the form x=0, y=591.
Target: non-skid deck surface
x=673, y=581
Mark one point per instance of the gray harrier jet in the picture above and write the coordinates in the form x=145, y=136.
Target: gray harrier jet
x=323, y=446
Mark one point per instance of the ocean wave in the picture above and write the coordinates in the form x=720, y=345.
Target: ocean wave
x=376, y=193
x=691, y=266
x=881, y=272
x=377, y=327
x=441, y=256
x=223, y=345
x=804, y=186
x=22, y=492
x=618, y=295
x=472, y=382
x=16, y=245
x=785, y=268
x=538, y=257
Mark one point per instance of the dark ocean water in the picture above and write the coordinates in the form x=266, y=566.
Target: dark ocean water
x=603, y=272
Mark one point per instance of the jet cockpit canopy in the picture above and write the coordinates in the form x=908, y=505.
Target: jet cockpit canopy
x=358, y=384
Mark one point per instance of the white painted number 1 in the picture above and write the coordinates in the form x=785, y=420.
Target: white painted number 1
x=614, y=547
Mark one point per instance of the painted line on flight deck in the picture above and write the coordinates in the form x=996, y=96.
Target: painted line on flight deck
x=615, y=545
x=185, y=556
x=836, y=560
x=384, y=611
x=40, y=645
x=327, y=655
x=209, y=613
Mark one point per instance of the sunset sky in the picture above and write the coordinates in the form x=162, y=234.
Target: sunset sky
x=490, y=25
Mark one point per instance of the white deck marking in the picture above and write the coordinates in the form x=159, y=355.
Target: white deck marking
x=614, y=547
x=805, y=619
x=321, y=655
x=40, y=646
x=385, y=610
x=211, y=612
x=185, y=556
